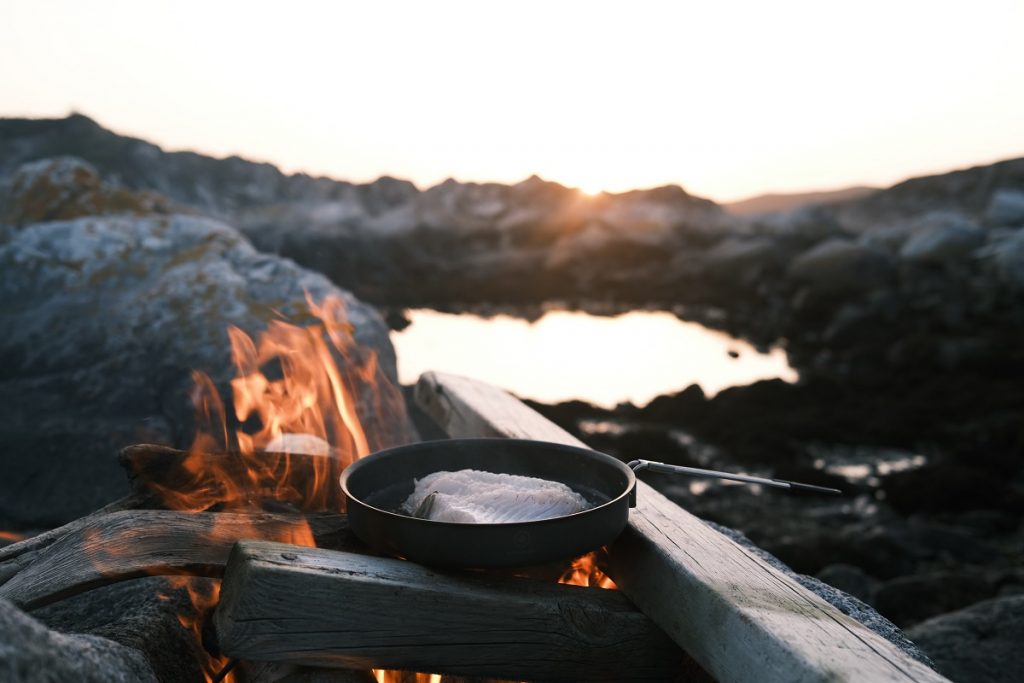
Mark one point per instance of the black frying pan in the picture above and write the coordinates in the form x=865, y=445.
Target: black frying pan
x=376, y=486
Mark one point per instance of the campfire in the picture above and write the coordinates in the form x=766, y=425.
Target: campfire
x=264, y=466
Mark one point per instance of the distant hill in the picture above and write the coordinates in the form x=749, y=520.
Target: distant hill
x=777, y=203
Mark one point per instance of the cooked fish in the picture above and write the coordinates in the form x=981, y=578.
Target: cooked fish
x=477, y=497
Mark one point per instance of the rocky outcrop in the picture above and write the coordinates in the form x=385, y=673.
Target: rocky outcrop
x=838, y=266
x=67, y=187
x=976, y=192
x=1006, y=208
x=980, y=644
x=152, y=617
x=105, y=318
x=386, y=240
x=217, y=187
x=939, y=237
x=30, y=652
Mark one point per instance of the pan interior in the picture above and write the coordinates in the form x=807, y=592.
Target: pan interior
x=386, y=479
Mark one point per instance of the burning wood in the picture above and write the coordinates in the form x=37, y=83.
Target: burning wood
x=134, y=543
x=297, y=605
x=274, y=476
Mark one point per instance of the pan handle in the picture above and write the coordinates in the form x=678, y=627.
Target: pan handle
x=639, y=465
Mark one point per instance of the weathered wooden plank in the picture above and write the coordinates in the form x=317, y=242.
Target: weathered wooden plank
x=317, y=607
x=133, y=543
x=740, y=618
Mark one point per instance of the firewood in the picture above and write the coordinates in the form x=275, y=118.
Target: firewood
x=133, y=501
x=122, y=545
x=325, y=608
x=738, y=616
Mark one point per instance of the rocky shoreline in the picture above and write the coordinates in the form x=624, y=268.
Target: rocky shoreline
x=902, y=310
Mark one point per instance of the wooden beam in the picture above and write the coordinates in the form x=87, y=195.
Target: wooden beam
x=740, y=618
x=317, y=607
x=133, y=543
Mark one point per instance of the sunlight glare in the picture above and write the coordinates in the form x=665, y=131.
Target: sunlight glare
x=726, y=99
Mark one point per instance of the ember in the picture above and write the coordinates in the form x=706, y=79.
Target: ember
x=586, y=571
x=11, y=536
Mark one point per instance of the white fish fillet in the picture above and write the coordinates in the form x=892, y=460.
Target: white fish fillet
x=476, y=497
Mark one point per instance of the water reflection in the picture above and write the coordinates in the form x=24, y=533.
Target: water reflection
x=566, y=355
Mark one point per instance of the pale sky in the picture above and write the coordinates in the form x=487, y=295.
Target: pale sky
x=727, y=99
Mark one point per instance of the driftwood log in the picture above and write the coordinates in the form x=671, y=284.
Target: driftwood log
x=155, y=470
x=739, y=617
x=311, y=606
x=133, y=537
x=133, y=543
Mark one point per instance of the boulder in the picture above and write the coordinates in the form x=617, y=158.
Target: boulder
x=155, y=616
x=742, y=259
x=980, y=644
x=105, y=319
x=942, y=236
x=948, y=487
x=1004, y=257
x=67, y=187
x=810, y=223
x=32, y=653
x=840, y=266
x=849, y=579
x=1006, y=208
x=908, y=600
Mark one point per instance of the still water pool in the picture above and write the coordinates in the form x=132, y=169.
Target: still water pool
x=566, y=355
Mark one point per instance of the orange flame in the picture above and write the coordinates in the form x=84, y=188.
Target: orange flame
x=12, y=536
x=385, y=676
x=204, y=596
x=289, y=397
x=585, y=571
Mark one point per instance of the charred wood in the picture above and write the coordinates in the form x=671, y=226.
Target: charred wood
x=116, y=546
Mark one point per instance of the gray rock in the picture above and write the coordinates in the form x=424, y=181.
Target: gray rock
x=145, y=615
x=840, y=266
x=980, y=644
x=68, y=187
x=849, y=579
x=104, y=320
x=32, y=653
x=742, y=259
x=810, y=223
x=941, y=236
x=908, y=600
x=1006, y=208
x=1003, y=256
x=48, y=187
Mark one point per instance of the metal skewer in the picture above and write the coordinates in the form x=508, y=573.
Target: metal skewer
x=638, y=465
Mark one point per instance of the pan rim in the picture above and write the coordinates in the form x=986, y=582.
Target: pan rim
x=589, y=452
